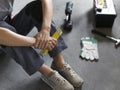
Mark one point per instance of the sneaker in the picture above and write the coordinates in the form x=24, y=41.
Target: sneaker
x=67, y=72
x=57, y=82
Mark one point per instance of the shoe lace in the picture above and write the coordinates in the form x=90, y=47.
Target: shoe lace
x=69, y=70
x=58, y=80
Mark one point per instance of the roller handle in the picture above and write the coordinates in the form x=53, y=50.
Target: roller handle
x=98, y=33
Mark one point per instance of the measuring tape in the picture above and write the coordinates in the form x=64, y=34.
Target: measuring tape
x=100, y=2
x=56, y=35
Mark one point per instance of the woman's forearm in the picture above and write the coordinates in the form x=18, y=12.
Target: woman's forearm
x=10, y=38
x=47, y=6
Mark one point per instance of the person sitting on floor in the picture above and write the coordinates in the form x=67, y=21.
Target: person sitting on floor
x=21, y=48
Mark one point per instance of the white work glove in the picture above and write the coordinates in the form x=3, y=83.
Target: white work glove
x=89, y=49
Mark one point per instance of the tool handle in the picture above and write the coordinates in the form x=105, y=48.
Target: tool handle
x=56, y=35
x=98, y=33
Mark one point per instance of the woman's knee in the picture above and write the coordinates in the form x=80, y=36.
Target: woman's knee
x=34, y=9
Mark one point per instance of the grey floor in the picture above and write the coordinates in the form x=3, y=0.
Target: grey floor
x=101, y=75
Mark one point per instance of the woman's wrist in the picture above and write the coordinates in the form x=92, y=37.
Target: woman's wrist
x=31, y=41
x=46, y=28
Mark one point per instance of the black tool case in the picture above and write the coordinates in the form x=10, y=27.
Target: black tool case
x=105, y=13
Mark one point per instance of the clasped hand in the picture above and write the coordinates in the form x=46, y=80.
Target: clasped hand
x=44, y=41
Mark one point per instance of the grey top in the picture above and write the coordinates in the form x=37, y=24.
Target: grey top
x=5, y=8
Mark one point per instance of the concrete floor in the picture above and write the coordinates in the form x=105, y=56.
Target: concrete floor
x=101, y=75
